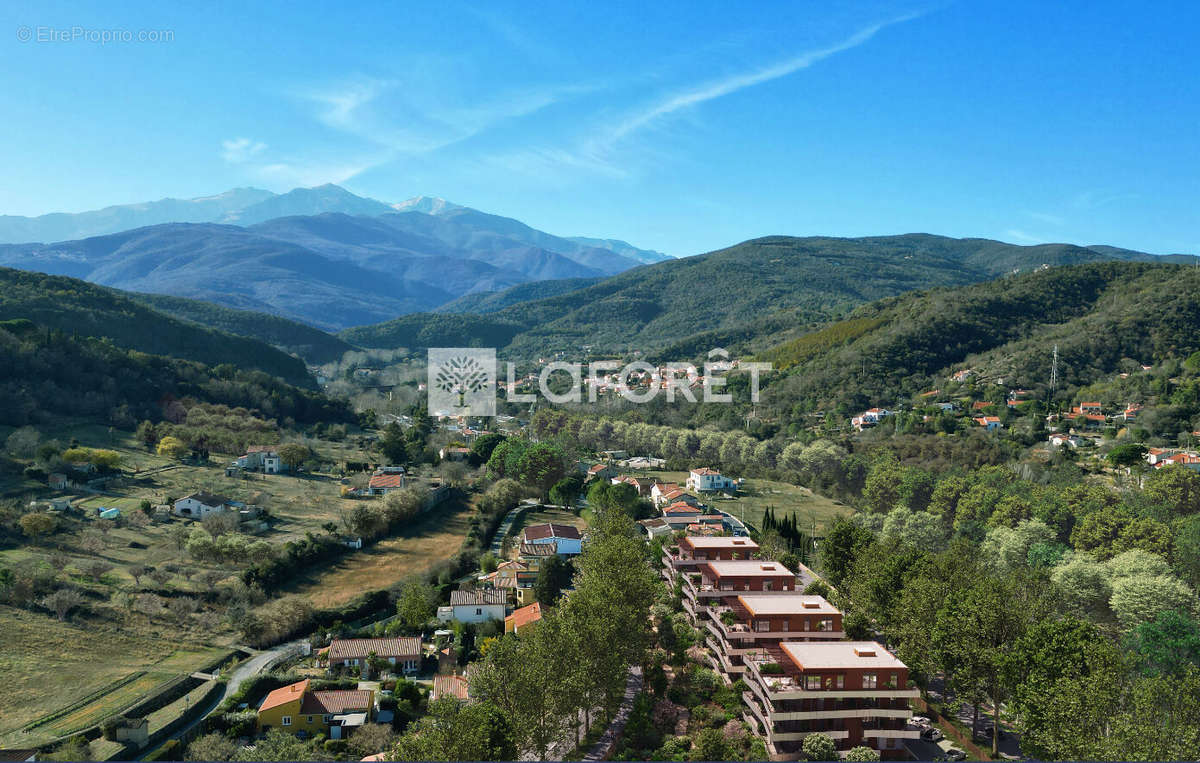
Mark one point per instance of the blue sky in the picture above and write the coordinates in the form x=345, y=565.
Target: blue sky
x=680, y=126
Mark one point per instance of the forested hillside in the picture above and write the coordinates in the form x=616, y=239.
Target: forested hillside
x=743, y=291
x=313, y=345
x=1097, y=315
x=421, y=330
x=493, y=301
x=47, y=373
x=82, y=309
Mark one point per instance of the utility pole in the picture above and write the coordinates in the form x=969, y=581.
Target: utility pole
x=1054, y=370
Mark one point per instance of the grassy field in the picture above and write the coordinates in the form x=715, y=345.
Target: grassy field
x=813, y=512
x=48, y=665
x=436, y=537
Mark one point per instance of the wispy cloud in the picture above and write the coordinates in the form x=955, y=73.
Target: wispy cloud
x=306, y=173
x=716, y=89
x=241, y=150
x=1099, y=197
x=1046, y=217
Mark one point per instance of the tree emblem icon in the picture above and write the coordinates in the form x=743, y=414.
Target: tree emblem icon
x=461, y=375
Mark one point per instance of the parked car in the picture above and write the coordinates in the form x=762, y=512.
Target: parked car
x=932, y=733
x=955, y=754
x=920, y=720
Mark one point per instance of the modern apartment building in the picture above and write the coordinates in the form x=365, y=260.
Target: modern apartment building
x=714, y=580
x=692, y=551
x=741, y=624
x=853, y=691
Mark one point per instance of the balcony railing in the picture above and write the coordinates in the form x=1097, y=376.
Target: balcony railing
x=782, y=686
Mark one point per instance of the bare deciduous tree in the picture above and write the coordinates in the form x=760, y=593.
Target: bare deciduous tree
x=62, y=601
x=159, y=576
x=97, y=569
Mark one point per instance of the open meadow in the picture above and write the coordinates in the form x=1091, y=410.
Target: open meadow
x=65, y=677
x=814, y=512
x=434, y=538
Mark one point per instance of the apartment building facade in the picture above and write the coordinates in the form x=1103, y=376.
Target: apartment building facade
x=853, y=691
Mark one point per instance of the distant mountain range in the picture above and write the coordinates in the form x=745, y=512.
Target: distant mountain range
x=320, y=255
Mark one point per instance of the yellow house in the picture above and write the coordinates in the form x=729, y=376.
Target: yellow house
x=295, y=708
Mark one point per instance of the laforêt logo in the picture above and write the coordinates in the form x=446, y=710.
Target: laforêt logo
x=462, y=381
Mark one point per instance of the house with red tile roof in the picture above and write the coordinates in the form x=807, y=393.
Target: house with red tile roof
x=523, y=618
x=451, y=686
x=402, y=653
x=705, y=480
x=296, y=708
x=382, y=484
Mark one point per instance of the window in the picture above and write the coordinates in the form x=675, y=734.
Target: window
x=285, y=720
x=786, y=626
x=807, y=624
x=893, y=680
x=762, y=625
x=841, y=680
x=825, y=625
x=478, y=611
x=766, y=585
x=309, y=719
x=868, y=681
x=812, y=683
x=727, y=586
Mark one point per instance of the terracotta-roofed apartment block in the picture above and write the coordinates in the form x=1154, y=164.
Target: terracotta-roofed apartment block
x=691, y=551
x=853, y=691
x=738, y=625
x=720, y=579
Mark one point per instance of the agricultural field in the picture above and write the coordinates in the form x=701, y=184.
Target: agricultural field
x=436, y=537
x=813, y=511
x=88, y=672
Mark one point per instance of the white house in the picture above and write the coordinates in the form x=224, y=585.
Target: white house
x=869, y=418
x=263, y=458
x=1186, y=460
x=475, y=606
x=704, y=480
x=1061, y=439
x=200, y=505
x=565, y=537
x=1154, y=456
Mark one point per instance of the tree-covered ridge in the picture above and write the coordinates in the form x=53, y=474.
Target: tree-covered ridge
x=435, y=330
x=493, y=301
x=311, y=344
x=735, y=289
x=82, y=309
x=1097, y=315
x=45, y=373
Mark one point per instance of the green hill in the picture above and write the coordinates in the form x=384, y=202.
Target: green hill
x=1098, y=315
x=79, y=308
x=47, y=373
x=420, y=330
x=492, y=301
x=755, y=288
x=311, y=344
